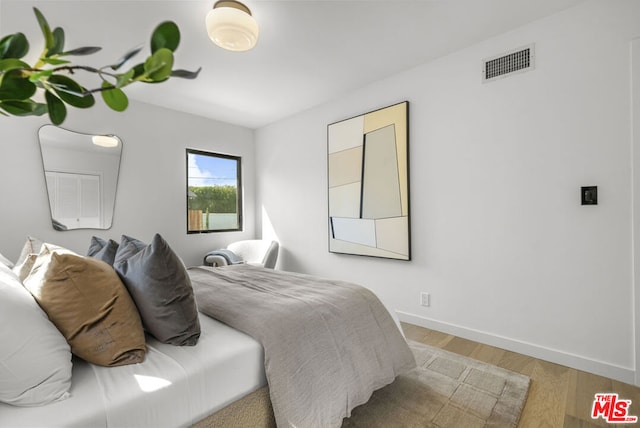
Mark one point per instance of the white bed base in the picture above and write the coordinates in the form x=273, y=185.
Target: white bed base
x=174, y=387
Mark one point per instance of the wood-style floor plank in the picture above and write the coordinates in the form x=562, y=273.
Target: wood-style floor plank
x=488, y=354
x=559, y=396
x=571, y=422
x=547, y=398
x=517, y=363
x=583, y=394
x=461, y=346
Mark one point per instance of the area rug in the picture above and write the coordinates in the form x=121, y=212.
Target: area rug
x=445, y=390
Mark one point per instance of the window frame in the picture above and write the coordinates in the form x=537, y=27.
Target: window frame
x=239, y=205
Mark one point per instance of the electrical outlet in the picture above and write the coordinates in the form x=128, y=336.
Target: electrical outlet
x=424, y=299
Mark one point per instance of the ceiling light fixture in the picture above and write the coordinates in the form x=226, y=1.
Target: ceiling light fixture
x=105, y=140
x=231, y=26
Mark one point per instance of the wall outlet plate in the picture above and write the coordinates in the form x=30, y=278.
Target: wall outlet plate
x=424, y=299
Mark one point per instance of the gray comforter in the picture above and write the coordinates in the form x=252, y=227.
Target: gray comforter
x=328, y=344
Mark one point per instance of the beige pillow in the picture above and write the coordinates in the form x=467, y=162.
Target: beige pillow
x=23, y=269
x=88, y=303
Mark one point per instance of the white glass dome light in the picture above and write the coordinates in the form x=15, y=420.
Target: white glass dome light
x=231, y=26
x=105, y=140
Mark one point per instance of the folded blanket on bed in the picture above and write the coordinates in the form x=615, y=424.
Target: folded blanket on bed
x=328, y=344
x=231, y=257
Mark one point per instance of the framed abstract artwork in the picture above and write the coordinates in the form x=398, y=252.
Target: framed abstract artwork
x=368, y=174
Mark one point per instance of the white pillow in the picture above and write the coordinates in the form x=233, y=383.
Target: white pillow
x=35, y=359
x=5, y=261
x=22, y=270
x=31, y=246
x=28, y=257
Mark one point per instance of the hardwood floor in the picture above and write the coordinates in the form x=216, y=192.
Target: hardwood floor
x=558, y=396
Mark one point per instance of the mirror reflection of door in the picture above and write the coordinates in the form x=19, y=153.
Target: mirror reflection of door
x=75, y=199
x=81, y=173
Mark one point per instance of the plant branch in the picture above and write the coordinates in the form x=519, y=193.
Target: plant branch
x=52, y=70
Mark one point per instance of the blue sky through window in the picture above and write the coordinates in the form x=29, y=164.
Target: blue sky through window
x=211, y=170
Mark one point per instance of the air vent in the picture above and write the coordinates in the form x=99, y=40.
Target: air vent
x=516, y=61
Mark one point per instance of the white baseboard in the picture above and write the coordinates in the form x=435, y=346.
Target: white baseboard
x=621, y=374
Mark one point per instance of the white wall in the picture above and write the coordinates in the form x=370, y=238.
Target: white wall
x=635, y=83
x=151, y=193
x=499, y=237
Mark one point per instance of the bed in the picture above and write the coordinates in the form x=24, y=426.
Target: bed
x=173, y=387
x=306, y=370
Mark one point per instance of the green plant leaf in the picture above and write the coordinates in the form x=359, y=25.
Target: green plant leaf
x=14, y=46
x=15, y=86
x=138, y=70
x=46, y=30
x=158, y=66
x=165, y=36
x=126, y=57
x=58, y=42
x=71, y=92
x=125, y=78
x=87, y=50
x=35, y=77
x=54, y=61
x=115, y=98
x=56, y=108
x=19, y=81
x=11, y=64
x=186, y=74
x=23, y=108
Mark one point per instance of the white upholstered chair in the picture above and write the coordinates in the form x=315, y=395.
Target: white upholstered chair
x=257, y=252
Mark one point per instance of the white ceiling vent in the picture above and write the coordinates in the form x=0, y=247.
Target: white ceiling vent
x=506, y=64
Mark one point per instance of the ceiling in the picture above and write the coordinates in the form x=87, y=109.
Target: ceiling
x=309, y=52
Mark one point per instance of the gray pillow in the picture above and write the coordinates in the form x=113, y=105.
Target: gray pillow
x=161, y=289
x=102, y=249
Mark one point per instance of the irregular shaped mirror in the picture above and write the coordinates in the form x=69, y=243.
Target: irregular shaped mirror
x=81, y=172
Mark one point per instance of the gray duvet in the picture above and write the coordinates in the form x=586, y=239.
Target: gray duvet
x=328, y=344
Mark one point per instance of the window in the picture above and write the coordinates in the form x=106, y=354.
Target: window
x=214, y=192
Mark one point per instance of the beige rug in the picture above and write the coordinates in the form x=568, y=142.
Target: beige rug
x=445, y=390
